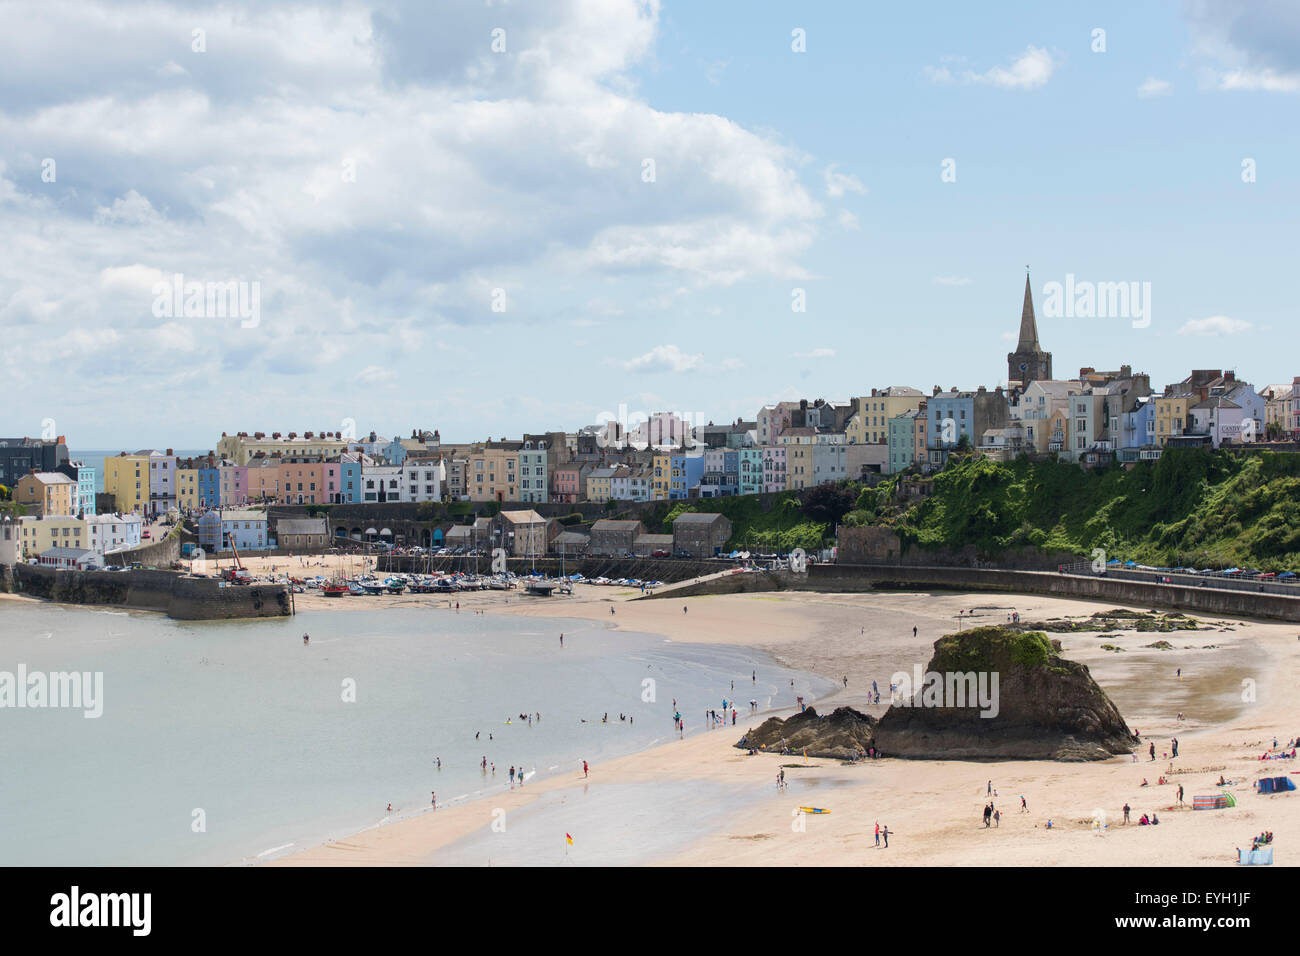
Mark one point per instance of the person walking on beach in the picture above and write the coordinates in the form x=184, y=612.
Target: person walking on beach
x=584, y=768
x=512, y=775
x=1153, y=750
x=1023, y=806
x=997, y=819
x=914, y=630
x=1180, y=793
x=433, y=799
x=885, y=833
x=1174, y=743
x=1127, y=808
x=990, y=788
x=877, y=833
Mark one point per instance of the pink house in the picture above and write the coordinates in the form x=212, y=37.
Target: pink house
x=234, y=484
x=566, y=483
x=774, y=468
x=308, y=482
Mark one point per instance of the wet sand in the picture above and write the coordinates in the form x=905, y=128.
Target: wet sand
x=727, y=808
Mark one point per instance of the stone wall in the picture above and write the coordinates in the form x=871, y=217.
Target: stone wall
x=668, y=570
x=174, y=594
x=850, y=578
x=158, y=554
x=879, y=545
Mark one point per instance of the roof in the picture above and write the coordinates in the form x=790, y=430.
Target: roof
x=610, y=524
x=697, y=517
x=523, y=517
x=301, y=526
x=240, y=515
x=572, y=537
x=664, y=539
x=75, y=553
x=51, y=478
x=460, y=531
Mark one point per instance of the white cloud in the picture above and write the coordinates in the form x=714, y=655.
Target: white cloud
x=847, y=220
x=375, y=375
x=1265, y=80
x=664, y=358
x=378, y=172
x=837, y=184
x=1030, y=70
x=1151, y=87
x=1215, y=325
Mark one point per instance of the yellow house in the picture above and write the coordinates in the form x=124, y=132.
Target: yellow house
x=492, y=473
x=869, y=423
x=126, y=478
x=45, y=492
x=1173, y=414
x=600, y=485
x=799, y=444
x=661, y=482
x=41, y=534
x=242, y=448
x=187, y=488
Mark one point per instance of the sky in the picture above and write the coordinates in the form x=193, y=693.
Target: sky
x=491, y=217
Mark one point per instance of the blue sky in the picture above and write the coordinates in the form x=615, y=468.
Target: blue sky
x=522, y=171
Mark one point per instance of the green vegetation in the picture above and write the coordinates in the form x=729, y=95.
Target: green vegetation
x=987, y=648
x=757, y=524
x=1191, y=508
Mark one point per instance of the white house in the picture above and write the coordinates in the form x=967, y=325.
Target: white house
x=113, y=532
x=422, y=479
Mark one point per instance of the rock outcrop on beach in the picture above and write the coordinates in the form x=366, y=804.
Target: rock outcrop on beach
x=1047, y=707
x=841, y=735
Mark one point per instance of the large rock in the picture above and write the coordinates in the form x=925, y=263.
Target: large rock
x=841, y=736
x=1047, y=707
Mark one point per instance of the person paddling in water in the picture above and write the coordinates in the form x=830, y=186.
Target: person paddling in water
x=306, y=638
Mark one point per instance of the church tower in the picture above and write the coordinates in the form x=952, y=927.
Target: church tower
x=1028, y=363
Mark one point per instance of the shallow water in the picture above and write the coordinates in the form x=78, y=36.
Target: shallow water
x=240, y=727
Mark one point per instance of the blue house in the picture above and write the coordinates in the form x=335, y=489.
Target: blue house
x=686, y=472
x=350, y=478
x=210, y=487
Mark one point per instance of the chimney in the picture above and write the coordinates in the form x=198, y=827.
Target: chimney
x=169, y=451
x=937, y=390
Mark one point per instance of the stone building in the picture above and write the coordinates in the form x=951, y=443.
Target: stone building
x=610, y=537
x=700, y=534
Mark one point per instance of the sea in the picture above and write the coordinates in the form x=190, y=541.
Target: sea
x=234, y=742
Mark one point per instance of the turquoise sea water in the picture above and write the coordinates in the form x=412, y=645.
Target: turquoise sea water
x=240, y=725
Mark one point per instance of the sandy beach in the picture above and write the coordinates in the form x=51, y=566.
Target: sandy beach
x=932, y=808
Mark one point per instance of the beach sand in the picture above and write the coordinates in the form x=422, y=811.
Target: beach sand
x=932, y=808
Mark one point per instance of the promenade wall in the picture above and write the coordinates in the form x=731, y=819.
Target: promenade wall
x=857, y=578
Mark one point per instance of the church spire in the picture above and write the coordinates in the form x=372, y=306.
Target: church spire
x=1028, y=363
x=1028, y=327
